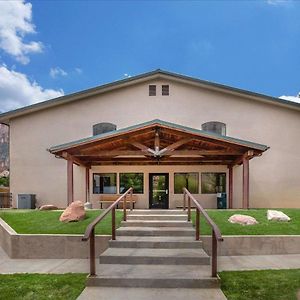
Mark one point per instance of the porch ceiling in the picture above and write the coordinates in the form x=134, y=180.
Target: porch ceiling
x=158, y=142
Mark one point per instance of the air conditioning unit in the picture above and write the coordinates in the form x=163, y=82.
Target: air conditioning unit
x=26, y=201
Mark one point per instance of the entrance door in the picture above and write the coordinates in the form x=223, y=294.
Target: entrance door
x=159, y=190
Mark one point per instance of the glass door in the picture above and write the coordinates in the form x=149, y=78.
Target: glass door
x=159, y=190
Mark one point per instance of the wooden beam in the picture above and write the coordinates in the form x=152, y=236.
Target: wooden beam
x=230, y=183
x=147, y=151
x=156, y=141
x=245, y=182
x=70, y=182
x=167, y=150
x=87, y=184
x=74, y=159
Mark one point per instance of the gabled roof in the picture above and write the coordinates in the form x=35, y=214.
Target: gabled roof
x=156, y=74
x=192, y=145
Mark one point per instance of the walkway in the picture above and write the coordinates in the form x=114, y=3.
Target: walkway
x=226, y=263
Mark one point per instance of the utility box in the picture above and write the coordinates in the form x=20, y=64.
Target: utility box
x=26, y=201
x=221, y=200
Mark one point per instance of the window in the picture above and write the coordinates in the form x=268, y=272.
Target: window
x=135, y=180
x=165, y=90
x=212, y=183
x=104, y=183
x=215, y=127
x=103, y=128
x=152, y=90
x=187, y=180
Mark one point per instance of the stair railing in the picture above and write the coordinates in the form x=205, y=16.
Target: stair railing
x=90, y=230
x=215, y=232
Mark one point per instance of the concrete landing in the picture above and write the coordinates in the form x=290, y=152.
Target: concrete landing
x=107, y=293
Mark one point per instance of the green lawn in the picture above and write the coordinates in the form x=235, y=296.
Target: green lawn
x=261, y=285
x=39, y=222
x=41, y=286
x=34, y=222
x=264, y=227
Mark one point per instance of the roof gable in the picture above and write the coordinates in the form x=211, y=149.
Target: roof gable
x=156, y=74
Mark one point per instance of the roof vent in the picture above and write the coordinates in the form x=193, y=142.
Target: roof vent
x=103, y=128
x=215, y=127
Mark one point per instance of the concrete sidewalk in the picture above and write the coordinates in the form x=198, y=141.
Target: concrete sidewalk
x=226, y=263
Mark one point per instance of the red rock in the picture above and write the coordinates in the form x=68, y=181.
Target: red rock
x=48, y=207
x=73, y=213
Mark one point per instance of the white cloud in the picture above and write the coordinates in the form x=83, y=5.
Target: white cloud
x=16, y=90
x=126, y=75
x=291, y=98
x=279, y=2
x=15, y=24
x=78, y=70
x=56, y=72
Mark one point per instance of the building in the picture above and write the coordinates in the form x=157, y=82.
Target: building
x=4, y=142
x=159, y=132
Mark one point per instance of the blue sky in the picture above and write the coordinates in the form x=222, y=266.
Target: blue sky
x=254, y=45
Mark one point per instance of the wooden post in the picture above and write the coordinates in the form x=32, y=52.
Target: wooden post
x=113, y=223
x=184, y=201
x=131, y=196
x=87, y=184
x=92, y=254
x=197, y=224
x=230, y=194
x=245, y=182
x=189, y=208
x=124, y=208
x=70, y=183
x=214, y=254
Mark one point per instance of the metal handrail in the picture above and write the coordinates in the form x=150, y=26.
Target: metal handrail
x=216, y=233
x=90, y=230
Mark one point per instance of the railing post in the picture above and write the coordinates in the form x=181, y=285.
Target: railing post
x=197, y=224
x=189, y=208
x=92, y=254
x=113, y=223
x=184, y=200
x=124, y=208
x=131, y=196
x=214, y=253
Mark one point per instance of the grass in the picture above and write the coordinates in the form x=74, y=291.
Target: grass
x=261, y=285
x=47, y=222
x=265, y=227
x=41, y=286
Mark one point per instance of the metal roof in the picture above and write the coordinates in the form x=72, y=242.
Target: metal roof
x=5, y=117
x=161, y=123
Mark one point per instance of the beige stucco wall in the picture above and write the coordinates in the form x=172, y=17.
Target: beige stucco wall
x=274, y=177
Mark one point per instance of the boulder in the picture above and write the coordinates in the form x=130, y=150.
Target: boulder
x=242, y=219
x=88, y=205
x=276, y=215
x=73, y=213
x=48, y=207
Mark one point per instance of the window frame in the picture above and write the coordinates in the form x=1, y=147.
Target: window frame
x=143, y=179
x=219, y=173
x=214, y=124
x=181, y=173
x=99, y=193
x=163, y=91
x=152, y=93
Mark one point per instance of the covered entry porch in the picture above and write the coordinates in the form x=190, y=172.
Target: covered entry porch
x=163, y=153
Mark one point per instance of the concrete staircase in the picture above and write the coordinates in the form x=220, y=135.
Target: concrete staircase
x=155, y=249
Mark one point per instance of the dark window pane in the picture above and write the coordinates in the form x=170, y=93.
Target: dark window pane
x=212, y=183
x=165, y=90
x=105, y=183
x=135, y=180
x=187, y=180
x=215, y=127
x=152, y=90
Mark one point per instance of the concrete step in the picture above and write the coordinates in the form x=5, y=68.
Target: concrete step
x=158, y=217
x=157, y=212
x=150, y=256
x=155, y=223
x=154, y=276
x=126, y=293
x=155, y=242
x=155, y=231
